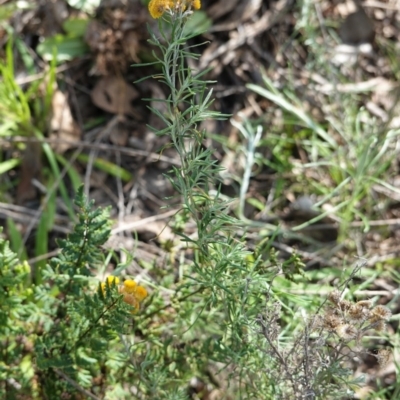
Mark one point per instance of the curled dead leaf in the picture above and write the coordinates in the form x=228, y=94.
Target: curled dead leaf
x=62, y=125
x=114, y=95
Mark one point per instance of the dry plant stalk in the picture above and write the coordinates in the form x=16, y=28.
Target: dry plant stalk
x=318, y=362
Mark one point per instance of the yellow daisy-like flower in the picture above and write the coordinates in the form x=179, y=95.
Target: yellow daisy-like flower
x=158, y=7
x=129, y=286
x=141, y=293
x=196, y=4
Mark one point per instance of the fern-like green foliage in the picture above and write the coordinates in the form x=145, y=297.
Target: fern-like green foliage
x=55, y=335
x=13, y=275
x=72, y=343
x=13, y=311
x=80, y=252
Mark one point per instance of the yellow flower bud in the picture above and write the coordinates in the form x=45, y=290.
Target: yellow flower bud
x=103, y=287
x=129, y=286
x=111, y=279
x=140, y=293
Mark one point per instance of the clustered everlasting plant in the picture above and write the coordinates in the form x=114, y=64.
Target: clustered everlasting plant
x=317, y=363
x=220, y=317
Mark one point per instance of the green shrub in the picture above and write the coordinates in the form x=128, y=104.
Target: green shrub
x=221, y=320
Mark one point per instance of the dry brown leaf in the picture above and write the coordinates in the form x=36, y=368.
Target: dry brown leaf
x=131, y=45
x=357, y=28
x=62, y=125
x=221, y=8
x=242, y=12
x=30, y=169
x=114, y=95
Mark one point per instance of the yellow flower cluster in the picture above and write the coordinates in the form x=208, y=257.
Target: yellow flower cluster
x=133, y=294
x=158, y=7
